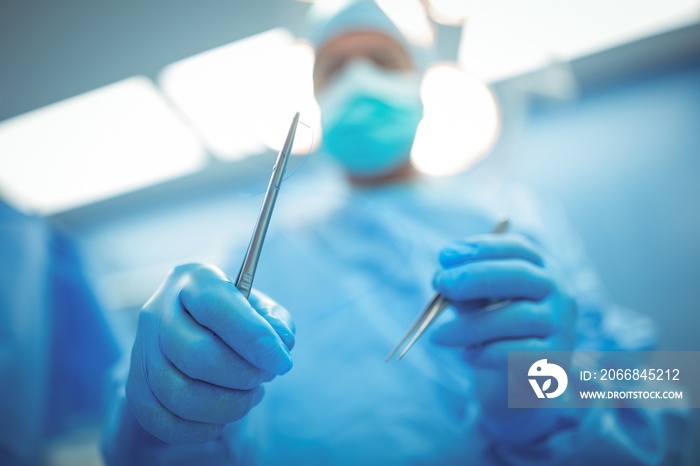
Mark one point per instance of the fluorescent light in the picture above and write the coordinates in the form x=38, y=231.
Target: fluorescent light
x=460, y=124
x=449, y=12
x=295, y=92
x=242, y=96
x=510, y=37
x=96, y=145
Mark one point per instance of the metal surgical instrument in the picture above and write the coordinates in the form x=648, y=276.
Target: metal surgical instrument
x=435, y=308
x=244, y=282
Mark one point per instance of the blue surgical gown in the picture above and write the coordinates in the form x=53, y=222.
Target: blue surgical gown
x=354, y=277
x=55, y=344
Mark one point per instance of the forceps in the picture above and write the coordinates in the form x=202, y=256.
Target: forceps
x=244, y=282
x=435, y=308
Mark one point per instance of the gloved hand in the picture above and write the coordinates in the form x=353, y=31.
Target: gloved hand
x=202, y=352
x=476, y=272
x=539, y=312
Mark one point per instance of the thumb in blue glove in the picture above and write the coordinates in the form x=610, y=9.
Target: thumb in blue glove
x=540, y=313
x=201, y=353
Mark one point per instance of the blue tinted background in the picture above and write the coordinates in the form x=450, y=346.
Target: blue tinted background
x=625, y=162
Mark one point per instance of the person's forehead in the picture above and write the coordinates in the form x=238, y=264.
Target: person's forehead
x=357, y=43
x=379, y=48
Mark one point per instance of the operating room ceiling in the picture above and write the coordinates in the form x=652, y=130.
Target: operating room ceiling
x=50, y=51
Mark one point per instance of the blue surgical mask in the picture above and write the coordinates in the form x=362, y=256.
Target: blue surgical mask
x=369, y=117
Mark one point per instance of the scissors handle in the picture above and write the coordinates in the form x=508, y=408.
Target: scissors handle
x=244, y=282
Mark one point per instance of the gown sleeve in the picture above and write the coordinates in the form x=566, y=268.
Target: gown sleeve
x=604, y=432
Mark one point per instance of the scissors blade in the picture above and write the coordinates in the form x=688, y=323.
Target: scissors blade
x=433, y=310
x=244, y=282
x=416, y=325
x=440, y=305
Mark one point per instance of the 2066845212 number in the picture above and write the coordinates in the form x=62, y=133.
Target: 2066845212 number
x=639, y=374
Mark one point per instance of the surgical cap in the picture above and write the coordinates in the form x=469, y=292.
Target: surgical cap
x=328, y=19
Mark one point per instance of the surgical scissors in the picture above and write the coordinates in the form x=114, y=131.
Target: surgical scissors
x=244, y=282
x=435, y=308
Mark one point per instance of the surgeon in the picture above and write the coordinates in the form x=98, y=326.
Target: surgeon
x=212, y=379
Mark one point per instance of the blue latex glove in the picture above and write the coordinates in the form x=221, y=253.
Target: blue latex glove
x=480, y=270
x=202, y=352
x=540, y=314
